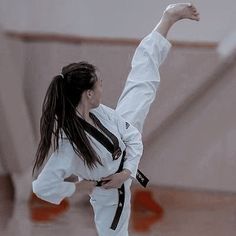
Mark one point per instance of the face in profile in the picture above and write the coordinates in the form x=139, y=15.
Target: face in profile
x=96, y=94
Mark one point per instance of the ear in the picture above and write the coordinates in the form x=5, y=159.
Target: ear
x=89, y=93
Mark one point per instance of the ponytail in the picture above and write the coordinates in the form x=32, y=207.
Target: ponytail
x=49, y=122
x=59, y=114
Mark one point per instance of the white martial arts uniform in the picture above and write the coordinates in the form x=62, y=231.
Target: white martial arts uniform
x=133, y=106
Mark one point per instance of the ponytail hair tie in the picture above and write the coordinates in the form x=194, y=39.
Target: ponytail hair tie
x=62, y=75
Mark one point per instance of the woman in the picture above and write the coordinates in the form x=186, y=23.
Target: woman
x=100, y=145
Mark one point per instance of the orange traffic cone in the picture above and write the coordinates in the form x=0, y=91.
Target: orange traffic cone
x=146, y=211
x=45, y=211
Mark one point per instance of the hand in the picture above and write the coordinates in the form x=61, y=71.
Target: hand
x=86, y=186
x=116, y=180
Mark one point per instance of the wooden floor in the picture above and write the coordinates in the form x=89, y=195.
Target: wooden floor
x=156, y=212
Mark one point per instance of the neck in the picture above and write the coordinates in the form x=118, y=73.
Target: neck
x=83, y=111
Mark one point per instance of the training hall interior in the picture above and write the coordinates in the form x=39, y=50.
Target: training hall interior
x=189, y=134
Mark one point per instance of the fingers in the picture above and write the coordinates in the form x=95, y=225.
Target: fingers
x=115, y=180
x=107, y=182
x=94, y=183
x=107, y=185
x=110, y=185
x=108, y=178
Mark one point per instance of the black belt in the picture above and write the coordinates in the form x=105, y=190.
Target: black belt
x=143, y=180
x=121, y=196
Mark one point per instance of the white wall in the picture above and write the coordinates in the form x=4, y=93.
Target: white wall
x=109, y=18
x=197, y=160
x=197, y=149
x=14, y=14
x=17, y=145
x=193, y=149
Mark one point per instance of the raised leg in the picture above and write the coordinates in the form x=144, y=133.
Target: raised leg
x=143, y=80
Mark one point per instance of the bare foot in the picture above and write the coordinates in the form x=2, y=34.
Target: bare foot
x=174, y=13
x=179, y=11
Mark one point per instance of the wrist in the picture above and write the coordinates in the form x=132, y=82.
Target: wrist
x=127, y=173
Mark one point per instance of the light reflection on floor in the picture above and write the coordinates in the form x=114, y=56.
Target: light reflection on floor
x=186, y=213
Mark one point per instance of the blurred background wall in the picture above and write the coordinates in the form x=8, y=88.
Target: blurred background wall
x=190, y=132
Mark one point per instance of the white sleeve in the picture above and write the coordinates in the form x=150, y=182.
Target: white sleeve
x=134, y=147
x=50, y=185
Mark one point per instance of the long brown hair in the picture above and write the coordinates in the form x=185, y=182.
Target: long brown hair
x=59, y=113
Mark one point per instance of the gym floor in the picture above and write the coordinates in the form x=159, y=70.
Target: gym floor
x=156, y=212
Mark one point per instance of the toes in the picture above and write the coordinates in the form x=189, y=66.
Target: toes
x=196, y=14
x=196, y=17
x=194, y=10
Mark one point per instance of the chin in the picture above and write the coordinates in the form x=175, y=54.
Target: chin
x=97, y=105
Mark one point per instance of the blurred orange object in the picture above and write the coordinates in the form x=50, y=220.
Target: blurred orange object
x=42, y=211
x=146, y=211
